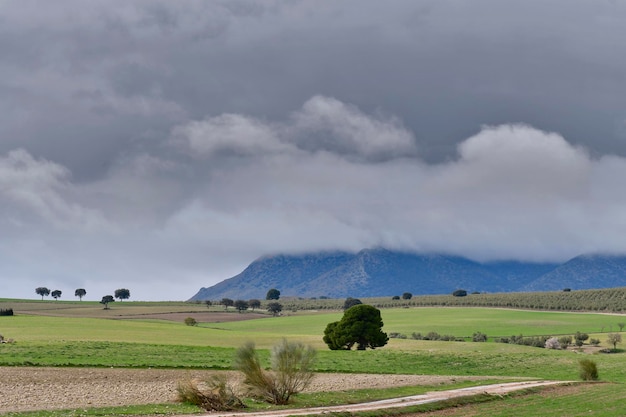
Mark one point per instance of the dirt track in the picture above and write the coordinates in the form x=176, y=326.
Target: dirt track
x=34, y=388
x=496, y=389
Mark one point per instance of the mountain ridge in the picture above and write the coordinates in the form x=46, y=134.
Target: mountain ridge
x=383, y=272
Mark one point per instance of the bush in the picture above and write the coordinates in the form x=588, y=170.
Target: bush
x=292, y=365
x=219, y=395
x=459, y=293
x=190, y=321
x=479, y=337
x=594, y=342
x=396, y=335
x=552, y=343
x=588, y=370
x=565, y=341
x=6, y=312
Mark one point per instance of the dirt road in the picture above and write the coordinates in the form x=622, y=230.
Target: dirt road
x=495, y=389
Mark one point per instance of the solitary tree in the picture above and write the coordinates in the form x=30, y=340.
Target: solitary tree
x=106, y=300
x=227, y=302
x=273, y=294
x=360, y=325
x=43, y=291
x=122, y=294
x=407, y=296
x=56, y=294
x=80, y=293
x=208, y=303
x=459, y=293
x=254, y=303
x=621, y=326
x=275, y=308
x=614, y=339
x=241, y=305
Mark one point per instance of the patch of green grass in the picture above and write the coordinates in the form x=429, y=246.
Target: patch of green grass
x=598, y=400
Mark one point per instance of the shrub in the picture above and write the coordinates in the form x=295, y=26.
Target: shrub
x=190, y=321
x=6, y=312
x=479, y=337
x=219, y=395
x=552, y=343
x=292, y=365
x=594, y=342
x=396, y=335
x=580, y=338
x=459, y=293
x=565, y=341
x=395, y=297
x=614, y=339
x=417, y=336
x=588, y=370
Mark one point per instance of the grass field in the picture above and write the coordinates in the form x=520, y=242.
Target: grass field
x=83, y=334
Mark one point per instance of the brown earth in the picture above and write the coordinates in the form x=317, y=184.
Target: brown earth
x=37, y=388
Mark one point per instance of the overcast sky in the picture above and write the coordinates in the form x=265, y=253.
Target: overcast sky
x=162, y=146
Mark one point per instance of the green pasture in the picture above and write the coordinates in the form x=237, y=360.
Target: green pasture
x=82, y=334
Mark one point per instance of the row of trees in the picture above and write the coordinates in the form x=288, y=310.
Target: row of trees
x=120, y=294
x=273, y=307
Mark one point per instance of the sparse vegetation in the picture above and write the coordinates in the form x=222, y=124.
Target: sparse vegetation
x=588, y=370
x=292, y=371
x=218, y=395
x=614, y=339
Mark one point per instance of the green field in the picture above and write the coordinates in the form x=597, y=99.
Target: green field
x=83, y=334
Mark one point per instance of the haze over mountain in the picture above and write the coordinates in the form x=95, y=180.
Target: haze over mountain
x=381, y=272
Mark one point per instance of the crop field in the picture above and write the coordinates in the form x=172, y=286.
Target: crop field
x=144, y=335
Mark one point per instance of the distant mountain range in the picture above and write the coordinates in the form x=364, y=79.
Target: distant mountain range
x=381, y=272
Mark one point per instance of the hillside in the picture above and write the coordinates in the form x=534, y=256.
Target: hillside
x=380, y=272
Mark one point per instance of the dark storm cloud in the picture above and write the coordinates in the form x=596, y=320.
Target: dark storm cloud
x=147, y=141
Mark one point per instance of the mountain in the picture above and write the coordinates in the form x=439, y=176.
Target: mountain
x=583, y=272
x=381, y=272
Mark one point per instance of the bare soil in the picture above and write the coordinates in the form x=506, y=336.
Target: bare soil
x=39, y=388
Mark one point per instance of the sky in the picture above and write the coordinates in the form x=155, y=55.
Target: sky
x=162, y=146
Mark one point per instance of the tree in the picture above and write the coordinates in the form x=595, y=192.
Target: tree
x=292, y=366
x=275, y=308
x=56, y=294
x=208, y=303
x=241, y=305
x=273, y=294
x=351, y=302
x=621, y=326
x=122, y=294
x=614, y=339
x=227, y=302
x=459, y=293
x=407, y=296
x=106, y=300
x=254, y=303
x=80, y=293
x=395, y=297
x=360, y=325
x=43, y=291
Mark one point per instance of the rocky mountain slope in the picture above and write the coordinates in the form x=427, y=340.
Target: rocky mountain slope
x=380, y=272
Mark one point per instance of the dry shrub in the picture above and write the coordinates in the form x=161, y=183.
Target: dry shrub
x=292, y=364
x=588, y=370
x=218, y=395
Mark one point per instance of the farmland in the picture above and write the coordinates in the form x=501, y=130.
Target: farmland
x=153, y=335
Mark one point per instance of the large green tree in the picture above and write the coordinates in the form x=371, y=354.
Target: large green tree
x=360, y=325
x=56, y=294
